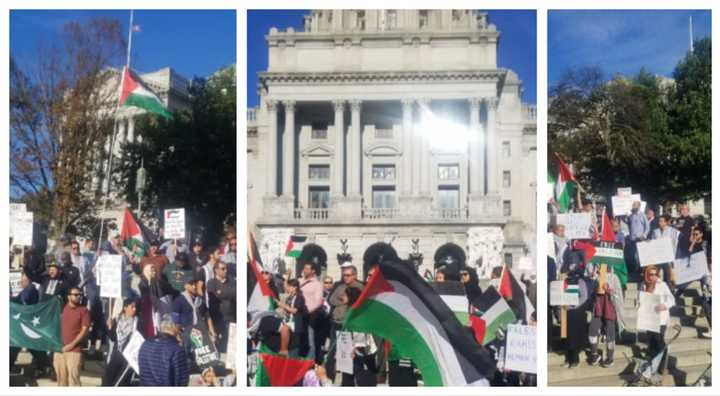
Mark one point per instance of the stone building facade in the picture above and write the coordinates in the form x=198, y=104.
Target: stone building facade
x=395, y=126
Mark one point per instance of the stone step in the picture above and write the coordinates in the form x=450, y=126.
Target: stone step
x=680, y=360
x=673, y=377
x=556, y=360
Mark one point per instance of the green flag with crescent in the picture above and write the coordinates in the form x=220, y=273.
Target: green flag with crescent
x=36, y=326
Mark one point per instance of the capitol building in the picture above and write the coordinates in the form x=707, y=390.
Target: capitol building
x=394, y=126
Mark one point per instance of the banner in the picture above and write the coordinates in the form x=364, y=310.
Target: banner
x=343, y=352
x=688, y=269
x=15, y=282
x=560, y=295
x=577, y=225
x=231, y=346
x=648, y=319
x=520, y=349
x=656, y=251
x=109, y=274
x=203, y=348
x=132, y=350
x=22, y=229
x=174, y=223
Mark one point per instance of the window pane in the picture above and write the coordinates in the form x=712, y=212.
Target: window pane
x=506, y=208
x=506, y=178
x=319, y=172
x=319, y=197
x=383, y=172
x=383, y=198
x=449, y=198
x=448, y=172
x=506, y=149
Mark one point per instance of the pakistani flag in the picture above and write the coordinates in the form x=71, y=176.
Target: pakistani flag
x=611, y=253
x=133, y=93
x=295, y=246
x=36, y=326
x=492, y=315
x=564, y=186
x=133, y=233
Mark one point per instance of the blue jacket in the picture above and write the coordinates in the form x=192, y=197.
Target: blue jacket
x=163, y=362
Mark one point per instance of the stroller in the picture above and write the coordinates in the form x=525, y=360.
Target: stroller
x=646, y=371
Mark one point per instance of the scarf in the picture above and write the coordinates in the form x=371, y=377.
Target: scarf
x=192, y=305
x=125, y=327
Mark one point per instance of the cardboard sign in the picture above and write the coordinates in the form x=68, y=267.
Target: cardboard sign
x=203, y=348
x=109, y=275
x=22, y=229
x=624, y=191
x=132, y=350
x=688, y=269
x=521, y=349
x=559, y=296
x=231, y=347
x=622, y=205
x=343, y=352
x=648, y=319
x=174, y=223
x=656, y=251
x=15, y=282
x=577, y=225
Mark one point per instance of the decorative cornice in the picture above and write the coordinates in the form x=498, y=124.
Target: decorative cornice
x=379, y=77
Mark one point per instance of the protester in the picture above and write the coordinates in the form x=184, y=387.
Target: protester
x=75, y=323
x=207, y=271
x=230, y=256
x=70, y=273
x=179, y=272
x=196, y=257
x=117, y=369
x=154, y=257
x=155, y=300
x=52, y=284
x=161, y=359
x=223, y=298
x=665, y=231
x=576, y=314
x=684, y=224
x=312, y=294
x=364, y=370
x=296, y=316
x=653, y=285
x=607, y=312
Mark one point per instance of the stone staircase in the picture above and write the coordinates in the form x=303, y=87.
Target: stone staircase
x=689, y=353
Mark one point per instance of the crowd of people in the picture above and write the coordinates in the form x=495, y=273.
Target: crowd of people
x=599, y=313
x=168, y=289
x=306, y=321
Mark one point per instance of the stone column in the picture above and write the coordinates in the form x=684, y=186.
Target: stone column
x=271, y=175
x=355, y=149
x=425, y=168
x=130, y=130
x=492, y=145
x=407, y=138
x=417, y=150
x=337, y=173
x=476, y=177
x=288, y=149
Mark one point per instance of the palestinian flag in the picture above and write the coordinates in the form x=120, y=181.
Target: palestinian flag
x=588, y=249
x=133, y=233
x=608, y=235
x=492, y=315
x=36, y=326
x=398, y=305
x=278, y=370
x=514, y=292
x=133, y=93
x=260, y=295
x=564, y=185
x=295, y=246
x=611, y=253
x=571, y=288
x=453, y=294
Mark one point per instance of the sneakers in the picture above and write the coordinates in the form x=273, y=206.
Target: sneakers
x=607, y=363
x=706, y=334
x=594, y=359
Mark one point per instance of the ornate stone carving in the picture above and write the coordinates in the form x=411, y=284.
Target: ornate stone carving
x=273, y=242
x=364, y=77
x=339, y=105
x=492, y=103
x=344, y=256
x=475, y=104
x=485, y=246
x=355, y=104
x=271, y=104
x=289, y=105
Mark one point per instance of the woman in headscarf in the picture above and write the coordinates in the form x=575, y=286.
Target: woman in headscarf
x=469, y=278
x=607, y=312
x=577, y=325
x=117, y=372
x=654, y=285
x=156, y=296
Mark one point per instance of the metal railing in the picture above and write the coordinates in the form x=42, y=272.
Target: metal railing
x=380, y=213
x=312, y=214
x=449, y=213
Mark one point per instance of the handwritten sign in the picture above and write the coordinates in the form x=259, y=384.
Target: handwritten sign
x=15, y=282
x=656, y=251
x=22, y=229
x=688, y=269
x=132, y=350
x=109, y=274
x=343, y=352
x=622, y=204
x=624, y=191
x=577, y=225
x=560, y=295
x=15, y=208
x=648, y=319
x=175, y=223
x=521, y=349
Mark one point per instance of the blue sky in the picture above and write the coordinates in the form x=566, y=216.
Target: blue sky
x=621, y=41
x=193, y=42
x=517, y=50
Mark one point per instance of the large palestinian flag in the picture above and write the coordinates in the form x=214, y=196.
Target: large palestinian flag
x=133, y=233
x=133, y=93
x=397, y=304
x=611, y=253
x=564, y=186
x=260, y=296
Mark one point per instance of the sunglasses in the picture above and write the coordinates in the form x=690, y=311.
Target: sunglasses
x=328, y=283
x=652, y=274
x=347, y=275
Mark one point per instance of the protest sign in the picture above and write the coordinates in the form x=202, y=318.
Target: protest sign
x=622, y=205
x=15, y=208
x=203, y=348
x=611, y=253
x=23, y=229
x=577, y=225
x=648, y=319
x=656, y=251
x=231, y=347
x=562, y=295
x=520, y=349
x=343, y=352
x=132, y=350
x=624, y=191
x=15, y=284
x=688, y=269
x=109, y=274
x=174, y=223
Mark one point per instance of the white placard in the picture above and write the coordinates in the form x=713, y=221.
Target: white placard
x=23, y=229
x=550, y=240
x=558, y=296
x=577, y=225
x=655, y=251
x=109, y=273
x=174, y=223
x=15, y=208
x=622, y=205
x=648, y=319
x=343, y=352
x=15, y=282
x=132, y=350
x=624, y=191
x=231, y=346
x=520, y=349
x=691, y=268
